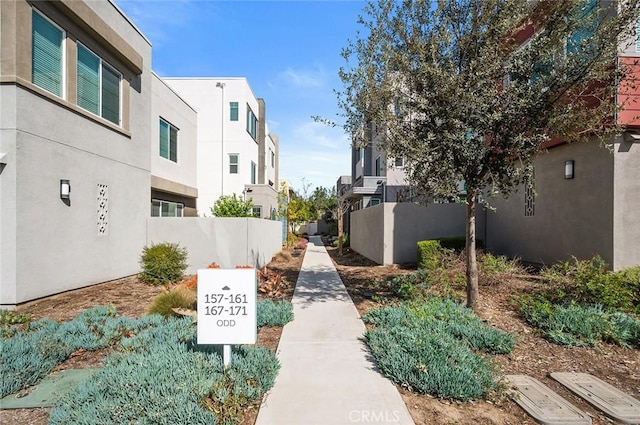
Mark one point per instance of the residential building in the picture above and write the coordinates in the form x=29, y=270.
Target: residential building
x=236, y=152
x=174, y=153
x=75, y=108
x=586, y=195
x=375, y=177
x=585, y=199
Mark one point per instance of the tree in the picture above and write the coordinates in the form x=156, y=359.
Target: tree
x=298, y=211
x=323, y=201
x=450, y=86
x=232, y=206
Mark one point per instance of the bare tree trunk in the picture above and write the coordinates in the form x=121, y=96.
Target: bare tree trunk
x=340, y=233
x=472, y=265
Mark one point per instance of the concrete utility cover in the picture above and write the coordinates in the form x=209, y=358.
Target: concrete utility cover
x=48, y=391
x=613, y=402
x=544, y=405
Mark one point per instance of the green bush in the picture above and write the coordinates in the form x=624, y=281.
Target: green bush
x=429, y=254
x=429, y=348
x=495, y=269
x=590, y=282
x=163, y=263
x=412, y=285
x=458, y=243
x=274, y=313
x=178, y=297
x=232, y=206
x=579, y=325
x=345, y=241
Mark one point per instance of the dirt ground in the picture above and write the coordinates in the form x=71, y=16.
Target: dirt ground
x=533, y=355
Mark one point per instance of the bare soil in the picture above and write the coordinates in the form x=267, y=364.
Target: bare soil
x=532, y=356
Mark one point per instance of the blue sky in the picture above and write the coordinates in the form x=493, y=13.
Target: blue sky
x=288, y=50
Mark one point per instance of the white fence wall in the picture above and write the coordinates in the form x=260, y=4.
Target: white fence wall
x=227, y=241
x=388, y=233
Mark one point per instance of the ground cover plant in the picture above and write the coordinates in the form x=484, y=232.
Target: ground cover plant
x=582, y=303
x=432, y=347
x=156, y=373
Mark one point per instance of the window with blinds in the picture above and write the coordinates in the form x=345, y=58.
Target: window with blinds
x=47, y=54
x=98, y=86
x=168, y=141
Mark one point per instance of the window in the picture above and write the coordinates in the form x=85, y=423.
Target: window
x=253, y=172
x=379, y=166
x=399, y=162
x=374, y=202
x=166, y=209
x=168, y=141
x=252, y=123
x=273, y=158
x=257, y=211
x=98, y=86
x=588, y=23
x=233, y=108
x=233, y=163
x=47, y=54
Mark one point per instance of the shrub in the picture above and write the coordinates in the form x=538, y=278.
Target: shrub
x=494, y=269
x=590, y=282
x=271, y=284
x=428, y=348
x=301, y=244
x=412, y=285
x=282, y=257
x=274, y=313
x=578, y=325
x=429, y=254
x=232, y=206
x=345, y=241
x=178, y=297
x=163, y=263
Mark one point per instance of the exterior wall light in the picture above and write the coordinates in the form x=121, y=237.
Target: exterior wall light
x=65, y=189
x=568, y=169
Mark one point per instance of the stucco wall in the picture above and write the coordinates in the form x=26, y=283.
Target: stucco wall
x=388, y=233
x=49, y=246
x=227, y=241
x=166, y=104
x=626, y=208
x=573, y=217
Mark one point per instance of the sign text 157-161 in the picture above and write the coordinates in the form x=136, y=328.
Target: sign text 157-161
x=227, y=301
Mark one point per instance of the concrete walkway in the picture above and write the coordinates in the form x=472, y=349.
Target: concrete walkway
x=327, y=376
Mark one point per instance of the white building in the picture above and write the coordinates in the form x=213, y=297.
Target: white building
x=236, y=153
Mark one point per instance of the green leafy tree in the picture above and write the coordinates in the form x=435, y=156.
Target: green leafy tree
x=232, y=206
x=323, y=202
x=298, y=211
x=450, y=86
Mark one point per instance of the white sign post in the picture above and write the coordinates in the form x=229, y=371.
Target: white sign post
x=227, y=308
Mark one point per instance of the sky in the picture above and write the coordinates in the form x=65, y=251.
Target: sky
x=290, y=52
